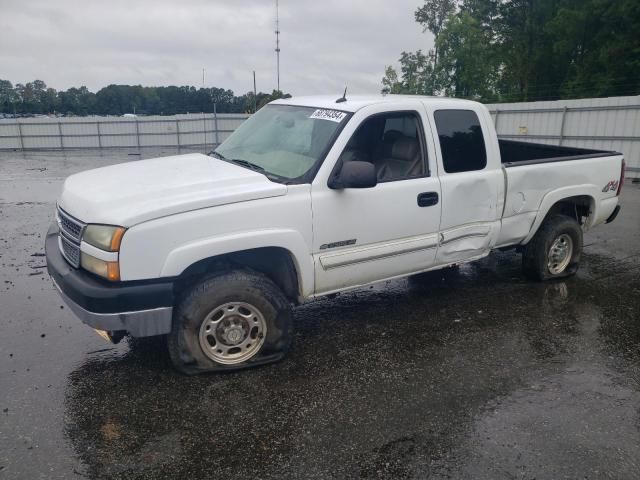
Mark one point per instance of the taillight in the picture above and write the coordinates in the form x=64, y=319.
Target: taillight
x=621, y=182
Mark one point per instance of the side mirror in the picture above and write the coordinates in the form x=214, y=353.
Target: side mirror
x=355, y=174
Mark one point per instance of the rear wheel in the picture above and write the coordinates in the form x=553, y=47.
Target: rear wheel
x=229, y=321
x=555, y=249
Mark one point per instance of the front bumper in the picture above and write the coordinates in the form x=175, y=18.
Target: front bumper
x=141, y=308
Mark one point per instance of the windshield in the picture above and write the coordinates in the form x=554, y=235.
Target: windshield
x=283, y=140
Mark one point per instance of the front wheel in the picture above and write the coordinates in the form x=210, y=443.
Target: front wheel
x=555, y=249
x=230, y=320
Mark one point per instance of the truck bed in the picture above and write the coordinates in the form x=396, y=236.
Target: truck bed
x=514, y=153
x=546, y=177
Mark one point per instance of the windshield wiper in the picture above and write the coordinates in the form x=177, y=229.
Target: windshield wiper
x=257, y=168
x=247, y=164
x=213, y=153
x=250, y=166
x=237, y=161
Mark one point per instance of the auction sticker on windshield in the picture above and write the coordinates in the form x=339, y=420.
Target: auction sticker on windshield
x=331, y=115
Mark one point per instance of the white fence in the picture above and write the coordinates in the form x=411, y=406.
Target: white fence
x=599, y=123
x=103, y=132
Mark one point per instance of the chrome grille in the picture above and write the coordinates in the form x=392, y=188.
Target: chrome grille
x=71, y=227
x=70, y=251
x=70, y=236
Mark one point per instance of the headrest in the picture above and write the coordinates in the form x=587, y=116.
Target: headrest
x=391, y=136
x=405, y=148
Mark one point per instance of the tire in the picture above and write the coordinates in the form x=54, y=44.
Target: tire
x=230, y=321
x=564, y=235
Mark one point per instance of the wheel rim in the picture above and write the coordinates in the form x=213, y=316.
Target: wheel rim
x=232, y=333
x=560, y=254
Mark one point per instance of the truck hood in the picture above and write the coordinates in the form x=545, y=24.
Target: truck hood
x=134, y=192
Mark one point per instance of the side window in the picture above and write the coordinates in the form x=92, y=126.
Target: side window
x=392, y=142
x=461, y=140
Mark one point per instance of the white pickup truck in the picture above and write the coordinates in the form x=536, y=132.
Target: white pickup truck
x=309, y=197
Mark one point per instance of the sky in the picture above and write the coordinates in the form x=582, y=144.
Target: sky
x=325, y=44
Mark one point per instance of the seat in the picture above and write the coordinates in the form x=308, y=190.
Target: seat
x=383, y=150
x=405, y=160
x=356, y=149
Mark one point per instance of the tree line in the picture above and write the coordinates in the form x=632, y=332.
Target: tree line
x=523, y=50
x=36, y=98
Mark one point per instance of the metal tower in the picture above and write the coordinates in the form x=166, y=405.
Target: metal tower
x=278, y=44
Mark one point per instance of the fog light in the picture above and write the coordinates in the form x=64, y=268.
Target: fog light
x=102, y=268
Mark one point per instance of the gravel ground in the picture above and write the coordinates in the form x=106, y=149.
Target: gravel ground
x=481, y=374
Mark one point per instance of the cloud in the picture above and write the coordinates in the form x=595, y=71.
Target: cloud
x=326, y=44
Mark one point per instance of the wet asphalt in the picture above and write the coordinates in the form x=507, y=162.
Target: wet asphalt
x=478, y=374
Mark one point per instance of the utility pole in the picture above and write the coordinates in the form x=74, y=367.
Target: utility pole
x=278, y=44
x=203, y=78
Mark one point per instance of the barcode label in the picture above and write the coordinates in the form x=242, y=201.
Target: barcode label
x=331, y=115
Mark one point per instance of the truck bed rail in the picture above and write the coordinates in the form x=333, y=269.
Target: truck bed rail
x=515, y=153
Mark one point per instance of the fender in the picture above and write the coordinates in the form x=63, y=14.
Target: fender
x=185, y=255
x=554, y=196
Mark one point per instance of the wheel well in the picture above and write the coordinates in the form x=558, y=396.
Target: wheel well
x=579, y=207
x=274, y=262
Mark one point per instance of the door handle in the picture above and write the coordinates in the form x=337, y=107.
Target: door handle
x=427, y=199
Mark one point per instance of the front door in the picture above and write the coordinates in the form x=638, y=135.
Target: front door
x=369, y=234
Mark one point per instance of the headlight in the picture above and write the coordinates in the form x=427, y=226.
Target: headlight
x=105, y=237
x=108, y=270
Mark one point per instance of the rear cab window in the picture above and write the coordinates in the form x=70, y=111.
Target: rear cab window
x=461, y=140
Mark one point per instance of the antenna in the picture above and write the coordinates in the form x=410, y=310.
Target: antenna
x=343, y=98
x=278, y=44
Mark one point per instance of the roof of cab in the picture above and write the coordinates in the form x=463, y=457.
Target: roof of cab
x=356, y=102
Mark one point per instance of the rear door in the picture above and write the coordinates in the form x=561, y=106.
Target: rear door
x=364, y=235
x=472, y=184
